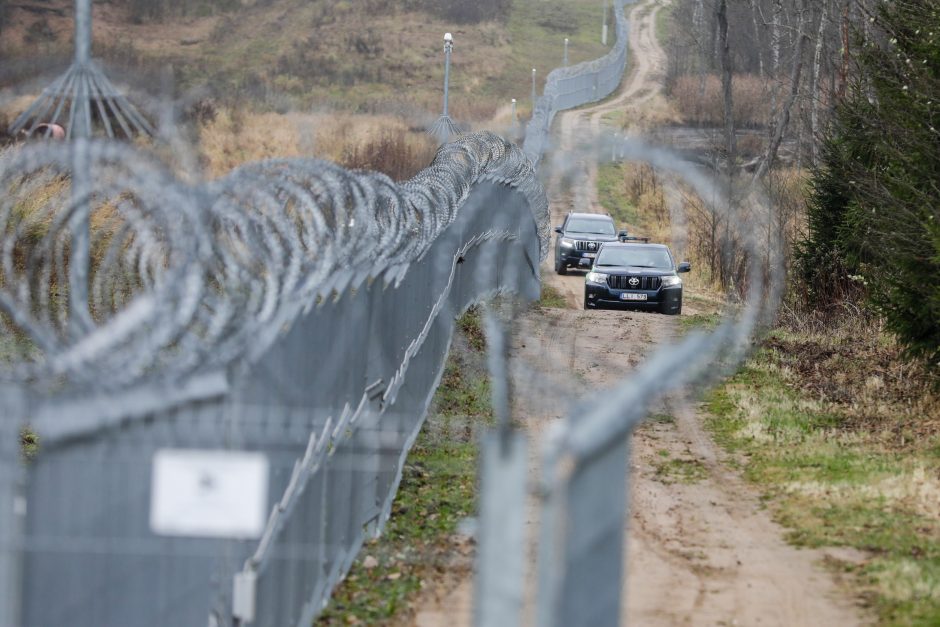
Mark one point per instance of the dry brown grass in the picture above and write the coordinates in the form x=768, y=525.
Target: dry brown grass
x=851, y=362
x=378, y=142
x=702, y=104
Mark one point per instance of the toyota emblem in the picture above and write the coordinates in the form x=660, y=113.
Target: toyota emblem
x=634, y=282
x=592, y=246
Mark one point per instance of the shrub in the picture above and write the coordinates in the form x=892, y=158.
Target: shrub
x=703, y=104
x=397, y=153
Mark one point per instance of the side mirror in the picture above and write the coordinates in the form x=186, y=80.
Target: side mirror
x=558, y=230
x=685, y=266
x=622, y=236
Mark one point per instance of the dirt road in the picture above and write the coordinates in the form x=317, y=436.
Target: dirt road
x=702, y=550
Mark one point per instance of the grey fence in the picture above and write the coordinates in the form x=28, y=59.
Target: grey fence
x=583, y=484
x=578, y=85
x=312, y=398
x=225, y=423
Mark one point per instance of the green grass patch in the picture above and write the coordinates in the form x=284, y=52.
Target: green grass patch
x=664, y=24
x=695, y=322
x=29, y=443
x=685, y=471
x=663, y=419
x=832, y=478
x=437, y=492
x=552, y=298
x=537, y=30
x=612, y=193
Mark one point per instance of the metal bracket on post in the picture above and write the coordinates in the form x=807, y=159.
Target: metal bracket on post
x=244, y=596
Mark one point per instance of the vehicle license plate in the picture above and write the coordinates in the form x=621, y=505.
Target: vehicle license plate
x=590, y=255
x=633, y=297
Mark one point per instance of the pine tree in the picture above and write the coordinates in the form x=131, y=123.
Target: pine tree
x=875, y=208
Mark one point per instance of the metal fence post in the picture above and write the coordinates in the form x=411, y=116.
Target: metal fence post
x=534, y=91
x=581, y=552
x=11, y=506
x=500, y=585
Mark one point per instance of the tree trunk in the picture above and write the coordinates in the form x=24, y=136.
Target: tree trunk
x=698, y=25
x=844, y=73
x=757, y=42
x=721, y=15
x=795, y=76
x=775, y=43
x=814, y=90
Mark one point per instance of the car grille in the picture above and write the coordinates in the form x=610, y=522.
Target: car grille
x=587, y=246
x=649, y=283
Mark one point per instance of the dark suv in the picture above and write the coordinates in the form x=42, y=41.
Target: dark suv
x=580, y=238
x=636, y=276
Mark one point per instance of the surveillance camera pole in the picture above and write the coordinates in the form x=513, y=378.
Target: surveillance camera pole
x=444, y=127
x=448, y=50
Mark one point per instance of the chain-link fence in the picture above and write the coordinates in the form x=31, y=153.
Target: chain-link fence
x=225, y=422
x=578, y=85
x=234, y=472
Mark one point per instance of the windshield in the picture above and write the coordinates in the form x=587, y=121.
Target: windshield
x=586, y=226
x=636, y=257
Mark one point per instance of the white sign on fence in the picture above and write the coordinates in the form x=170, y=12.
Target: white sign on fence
x=208, y=494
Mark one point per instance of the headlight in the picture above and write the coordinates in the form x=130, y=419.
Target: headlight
x=596, y=277
x=567, y=243
x=669, y=281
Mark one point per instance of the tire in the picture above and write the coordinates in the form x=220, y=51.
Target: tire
x=677, y=312
x=561, y=268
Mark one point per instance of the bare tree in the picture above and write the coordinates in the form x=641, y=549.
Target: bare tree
x=721, y=18
x=814, y=90
x=783, y=120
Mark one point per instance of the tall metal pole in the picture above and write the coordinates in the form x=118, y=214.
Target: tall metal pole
x=444, y=127
x=80, y=256
x=566, y=52
x=534, y=92
x=448, y=49
x=82, y=32
x=604, y=28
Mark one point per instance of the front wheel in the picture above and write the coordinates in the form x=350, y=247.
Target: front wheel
x=669, y=311
x=561, y=268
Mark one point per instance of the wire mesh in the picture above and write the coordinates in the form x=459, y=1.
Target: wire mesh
x=291, y=309
x=290, y=298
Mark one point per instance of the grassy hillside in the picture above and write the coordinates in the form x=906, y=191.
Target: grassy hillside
x=358, y=55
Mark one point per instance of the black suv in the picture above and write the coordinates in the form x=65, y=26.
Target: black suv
x=580, y=238
x=637, y=276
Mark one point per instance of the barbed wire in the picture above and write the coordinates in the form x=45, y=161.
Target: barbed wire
x=185, y=278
